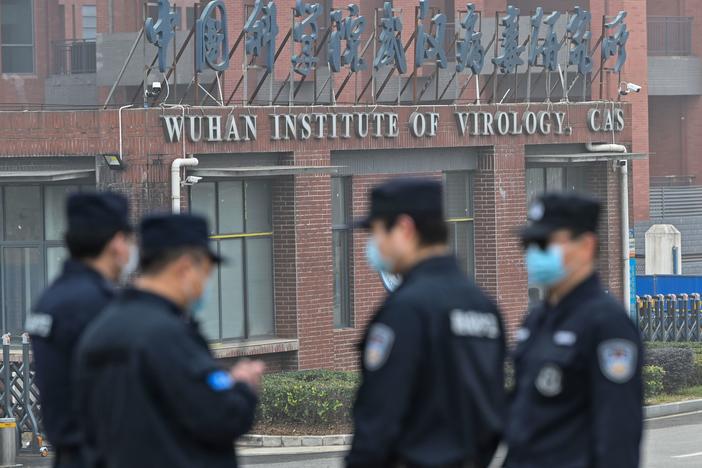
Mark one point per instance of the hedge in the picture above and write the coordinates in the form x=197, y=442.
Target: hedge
x=311, y=398
x=653, y=378
x=678, y=364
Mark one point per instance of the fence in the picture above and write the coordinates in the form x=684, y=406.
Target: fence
x=19, y=397
x=669, y=35
x=670, y=318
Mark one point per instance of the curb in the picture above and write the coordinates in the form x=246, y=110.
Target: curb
x=671, y=409
x=266, y=441
x=344, y=440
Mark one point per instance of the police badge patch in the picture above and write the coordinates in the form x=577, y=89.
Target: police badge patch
x=617, y=359
x=378, y=346
x=549, y=382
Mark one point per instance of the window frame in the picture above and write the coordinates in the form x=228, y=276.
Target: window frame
x=42, y=245
x=219, y=237
x=345, y=231
x=469, y=220
x=83, y=16
x=4, y=45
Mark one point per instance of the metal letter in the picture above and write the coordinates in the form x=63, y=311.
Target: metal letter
x=160, y=33
x=430, y=47
x=551, y=45
x=616, y=44
x=391, y=50
x=470, y=52
x=511, y=50
x=305, y=61
x=348, y=29
x=261, y=32
x=578, y=28
x=212, y=44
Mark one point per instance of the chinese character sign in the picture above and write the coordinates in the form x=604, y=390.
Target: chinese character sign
x=430, y=46
x=579, y=30
x=349, y=30
x=160, y=32
x=551, y=45
x=211, y=38
x=511, y=50
x=615, y=44
x=261, y=30
x=470, y=52
x=305, y=33
x=390, y=51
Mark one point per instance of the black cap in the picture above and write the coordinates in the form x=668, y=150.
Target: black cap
x=164, y=232
x=418, y=198
x=108, y=211
x=553, y=211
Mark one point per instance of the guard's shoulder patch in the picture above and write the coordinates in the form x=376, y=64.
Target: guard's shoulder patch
x=39, y=325
x=378, y=346
x=618, y=359
x=220, y=381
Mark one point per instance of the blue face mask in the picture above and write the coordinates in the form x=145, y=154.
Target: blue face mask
x=375, y=258
x=545, y=267
x=200, y=304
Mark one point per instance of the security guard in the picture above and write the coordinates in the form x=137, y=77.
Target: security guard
x=432, y=390
x=150, y=392
x=578, y=393
x=100, y=244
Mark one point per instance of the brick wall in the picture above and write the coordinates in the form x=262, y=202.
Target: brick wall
x=500, y=208
x=302, y=210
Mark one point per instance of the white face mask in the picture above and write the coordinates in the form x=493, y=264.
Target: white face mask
x=131, y=266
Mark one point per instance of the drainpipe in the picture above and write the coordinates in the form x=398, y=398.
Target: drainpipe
x=175, y=180
x=624, y=214
x=120, y=130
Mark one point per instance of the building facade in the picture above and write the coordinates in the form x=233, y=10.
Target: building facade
x=285, y=164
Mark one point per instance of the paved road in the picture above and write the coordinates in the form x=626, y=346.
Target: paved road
x=669, y=442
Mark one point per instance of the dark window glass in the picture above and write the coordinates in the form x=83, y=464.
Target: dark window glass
x=17, y=36
x=239, y=213
x=341, y=250
x=459, y=213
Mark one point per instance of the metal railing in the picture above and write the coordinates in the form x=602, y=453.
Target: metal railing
x=670, y=318
x=74, y=57
x=670, y=35
x=19, y=395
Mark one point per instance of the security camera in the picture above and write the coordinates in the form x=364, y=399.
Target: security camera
x=154, y=89
x=627, y=88
x=192, y=180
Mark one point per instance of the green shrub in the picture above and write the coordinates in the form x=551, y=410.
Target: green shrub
x=315, y=398
x=653, y=378
x=696, y=378
x=678, y=364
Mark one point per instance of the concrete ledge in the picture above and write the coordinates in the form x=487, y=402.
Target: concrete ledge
x=253, y=348
x=670, y=409
x=257, y=441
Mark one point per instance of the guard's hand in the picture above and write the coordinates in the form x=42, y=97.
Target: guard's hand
x=249, y=372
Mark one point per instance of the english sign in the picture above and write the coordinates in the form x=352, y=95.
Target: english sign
x=345, y=125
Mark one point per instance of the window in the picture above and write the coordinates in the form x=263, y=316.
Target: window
x=542, y=179
x=459, y=214
x=241, y=295
x=17, y=36
x=32, y=225
x=89, y=13
x=341, y=250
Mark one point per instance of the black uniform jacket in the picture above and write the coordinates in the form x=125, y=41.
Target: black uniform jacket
x=432, y=389
x=152, y=395
x=578, y=393
x=59, y=318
